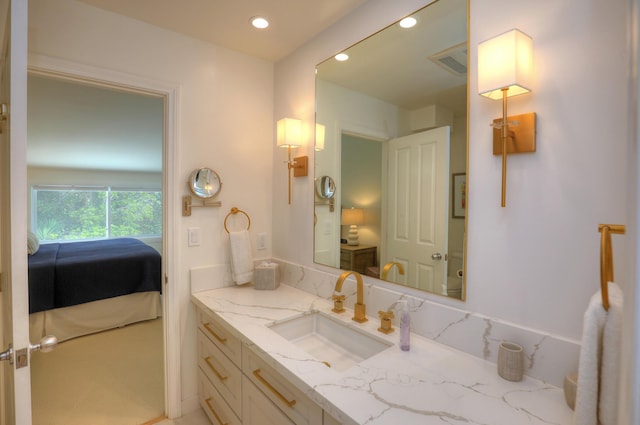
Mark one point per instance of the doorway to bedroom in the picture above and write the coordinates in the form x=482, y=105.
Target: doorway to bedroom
x=95, y=173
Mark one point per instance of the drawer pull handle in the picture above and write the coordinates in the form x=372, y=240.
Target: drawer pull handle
x=212, y=367
x=277, y=393
x=208, y=401
x=215, y=335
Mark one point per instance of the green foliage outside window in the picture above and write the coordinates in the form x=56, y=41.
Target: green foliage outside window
x=62, y=214
x=135, y=213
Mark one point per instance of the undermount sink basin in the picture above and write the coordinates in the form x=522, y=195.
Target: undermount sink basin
x=330, y=340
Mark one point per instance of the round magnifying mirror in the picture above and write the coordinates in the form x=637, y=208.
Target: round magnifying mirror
x=205, y=183
x=325, y=187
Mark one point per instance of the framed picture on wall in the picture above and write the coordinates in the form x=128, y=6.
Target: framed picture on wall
x=459, y=198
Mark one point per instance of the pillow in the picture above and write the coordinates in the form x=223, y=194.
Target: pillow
x=32, y=243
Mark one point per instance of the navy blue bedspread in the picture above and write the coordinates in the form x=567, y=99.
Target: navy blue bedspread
x=66, y=274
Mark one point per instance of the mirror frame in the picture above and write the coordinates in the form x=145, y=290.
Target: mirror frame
x=325, y=187
x=463, y=295
x=200, y=179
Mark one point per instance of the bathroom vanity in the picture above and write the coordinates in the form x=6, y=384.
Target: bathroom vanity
x=358, y=258
x=259, y=363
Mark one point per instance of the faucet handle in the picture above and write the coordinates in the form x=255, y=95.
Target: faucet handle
x=386, y=326
x=338, y=303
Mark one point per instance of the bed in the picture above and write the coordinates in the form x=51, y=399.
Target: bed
x=80, y=288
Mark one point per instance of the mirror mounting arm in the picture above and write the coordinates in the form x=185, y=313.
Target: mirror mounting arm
x=187, y=204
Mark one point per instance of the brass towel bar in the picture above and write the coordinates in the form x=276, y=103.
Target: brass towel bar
x=234, y=211
x=606, y=258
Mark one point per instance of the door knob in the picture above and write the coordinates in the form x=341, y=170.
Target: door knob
x=7, y=355
x=46, y=344
x=436, y=256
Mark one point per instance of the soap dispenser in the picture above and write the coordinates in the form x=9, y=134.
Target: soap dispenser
x=405, y=326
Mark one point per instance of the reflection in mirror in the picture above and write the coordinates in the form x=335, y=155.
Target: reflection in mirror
x=395, y=120
x=325, y=187
x=204, y=183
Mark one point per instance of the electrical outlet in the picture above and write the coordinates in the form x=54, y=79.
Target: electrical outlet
x=194, y=236
x=262, y=241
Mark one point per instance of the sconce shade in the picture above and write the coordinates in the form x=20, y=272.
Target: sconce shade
x=352, y=216
x=505, y=61
x=320, y=137
x=289, y=133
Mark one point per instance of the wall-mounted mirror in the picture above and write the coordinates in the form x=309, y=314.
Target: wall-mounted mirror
x=395, y=120
x=205, y=183
x=325, y=187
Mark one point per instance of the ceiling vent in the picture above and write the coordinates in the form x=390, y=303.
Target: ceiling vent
x=453, y=59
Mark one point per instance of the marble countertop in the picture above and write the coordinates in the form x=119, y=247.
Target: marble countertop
x=430, y=384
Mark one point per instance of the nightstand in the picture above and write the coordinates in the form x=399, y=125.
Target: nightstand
x=357, y=257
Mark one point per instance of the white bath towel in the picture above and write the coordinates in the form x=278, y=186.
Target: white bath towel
x=611, y=349
x=596, y=398
x=241, y=257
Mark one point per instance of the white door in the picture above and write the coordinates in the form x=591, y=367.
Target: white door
x=418, y=208
x=16, y=385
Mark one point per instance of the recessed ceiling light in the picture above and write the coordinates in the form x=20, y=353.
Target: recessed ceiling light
x=342, y=57
x=408, y=22
x=259, y=22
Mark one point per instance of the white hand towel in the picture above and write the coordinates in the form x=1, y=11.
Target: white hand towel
x=611, y=348
x=241, y=257
x=592, y=393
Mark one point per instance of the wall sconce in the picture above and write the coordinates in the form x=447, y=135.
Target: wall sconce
x=289, y=135
x=320, y=129
x=504, y=70
x=352, y=217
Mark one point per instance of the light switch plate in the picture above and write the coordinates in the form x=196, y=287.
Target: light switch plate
x=194, y=236
x=262, y=241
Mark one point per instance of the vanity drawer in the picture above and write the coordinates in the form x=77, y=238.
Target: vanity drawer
x=293, y=402
x=258, y=409
x=222, y=373
x=223, y=339
x=213, y=404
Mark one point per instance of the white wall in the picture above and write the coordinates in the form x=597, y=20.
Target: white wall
x=543, y=262
x=225, y=121
x=535, y=262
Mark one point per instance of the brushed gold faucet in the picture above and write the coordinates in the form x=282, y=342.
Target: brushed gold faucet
x=387, y=267
x=359, y=309
x=386, y=327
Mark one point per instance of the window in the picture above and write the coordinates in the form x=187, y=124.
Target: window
x=77, y=213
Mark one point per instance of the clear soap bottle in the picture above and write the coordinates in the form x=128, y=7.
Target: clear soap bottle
x=405, y=326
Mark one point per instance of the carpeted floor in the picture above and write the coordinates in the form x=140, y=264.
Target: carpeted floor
x=113, y=377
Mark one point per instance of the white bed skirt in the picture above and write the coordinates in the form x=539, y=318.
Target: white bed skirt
x=84, y=319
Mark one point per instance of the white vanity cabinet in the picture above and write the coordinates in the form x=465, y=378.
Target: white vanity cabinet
x=293, y=402
x=220, y=375
x=236, y=386
x=216, y=408
x=258, y=410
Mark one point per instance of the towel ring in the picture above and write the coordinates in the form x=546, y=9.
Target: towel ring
x=234, y=211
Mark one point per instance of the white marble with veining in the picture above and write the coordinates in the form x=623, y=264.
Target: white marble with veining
x=433, y=383
x=548, y=357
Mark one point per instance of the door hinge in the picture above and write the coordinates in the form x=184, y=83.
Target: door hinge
x=4, y=115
